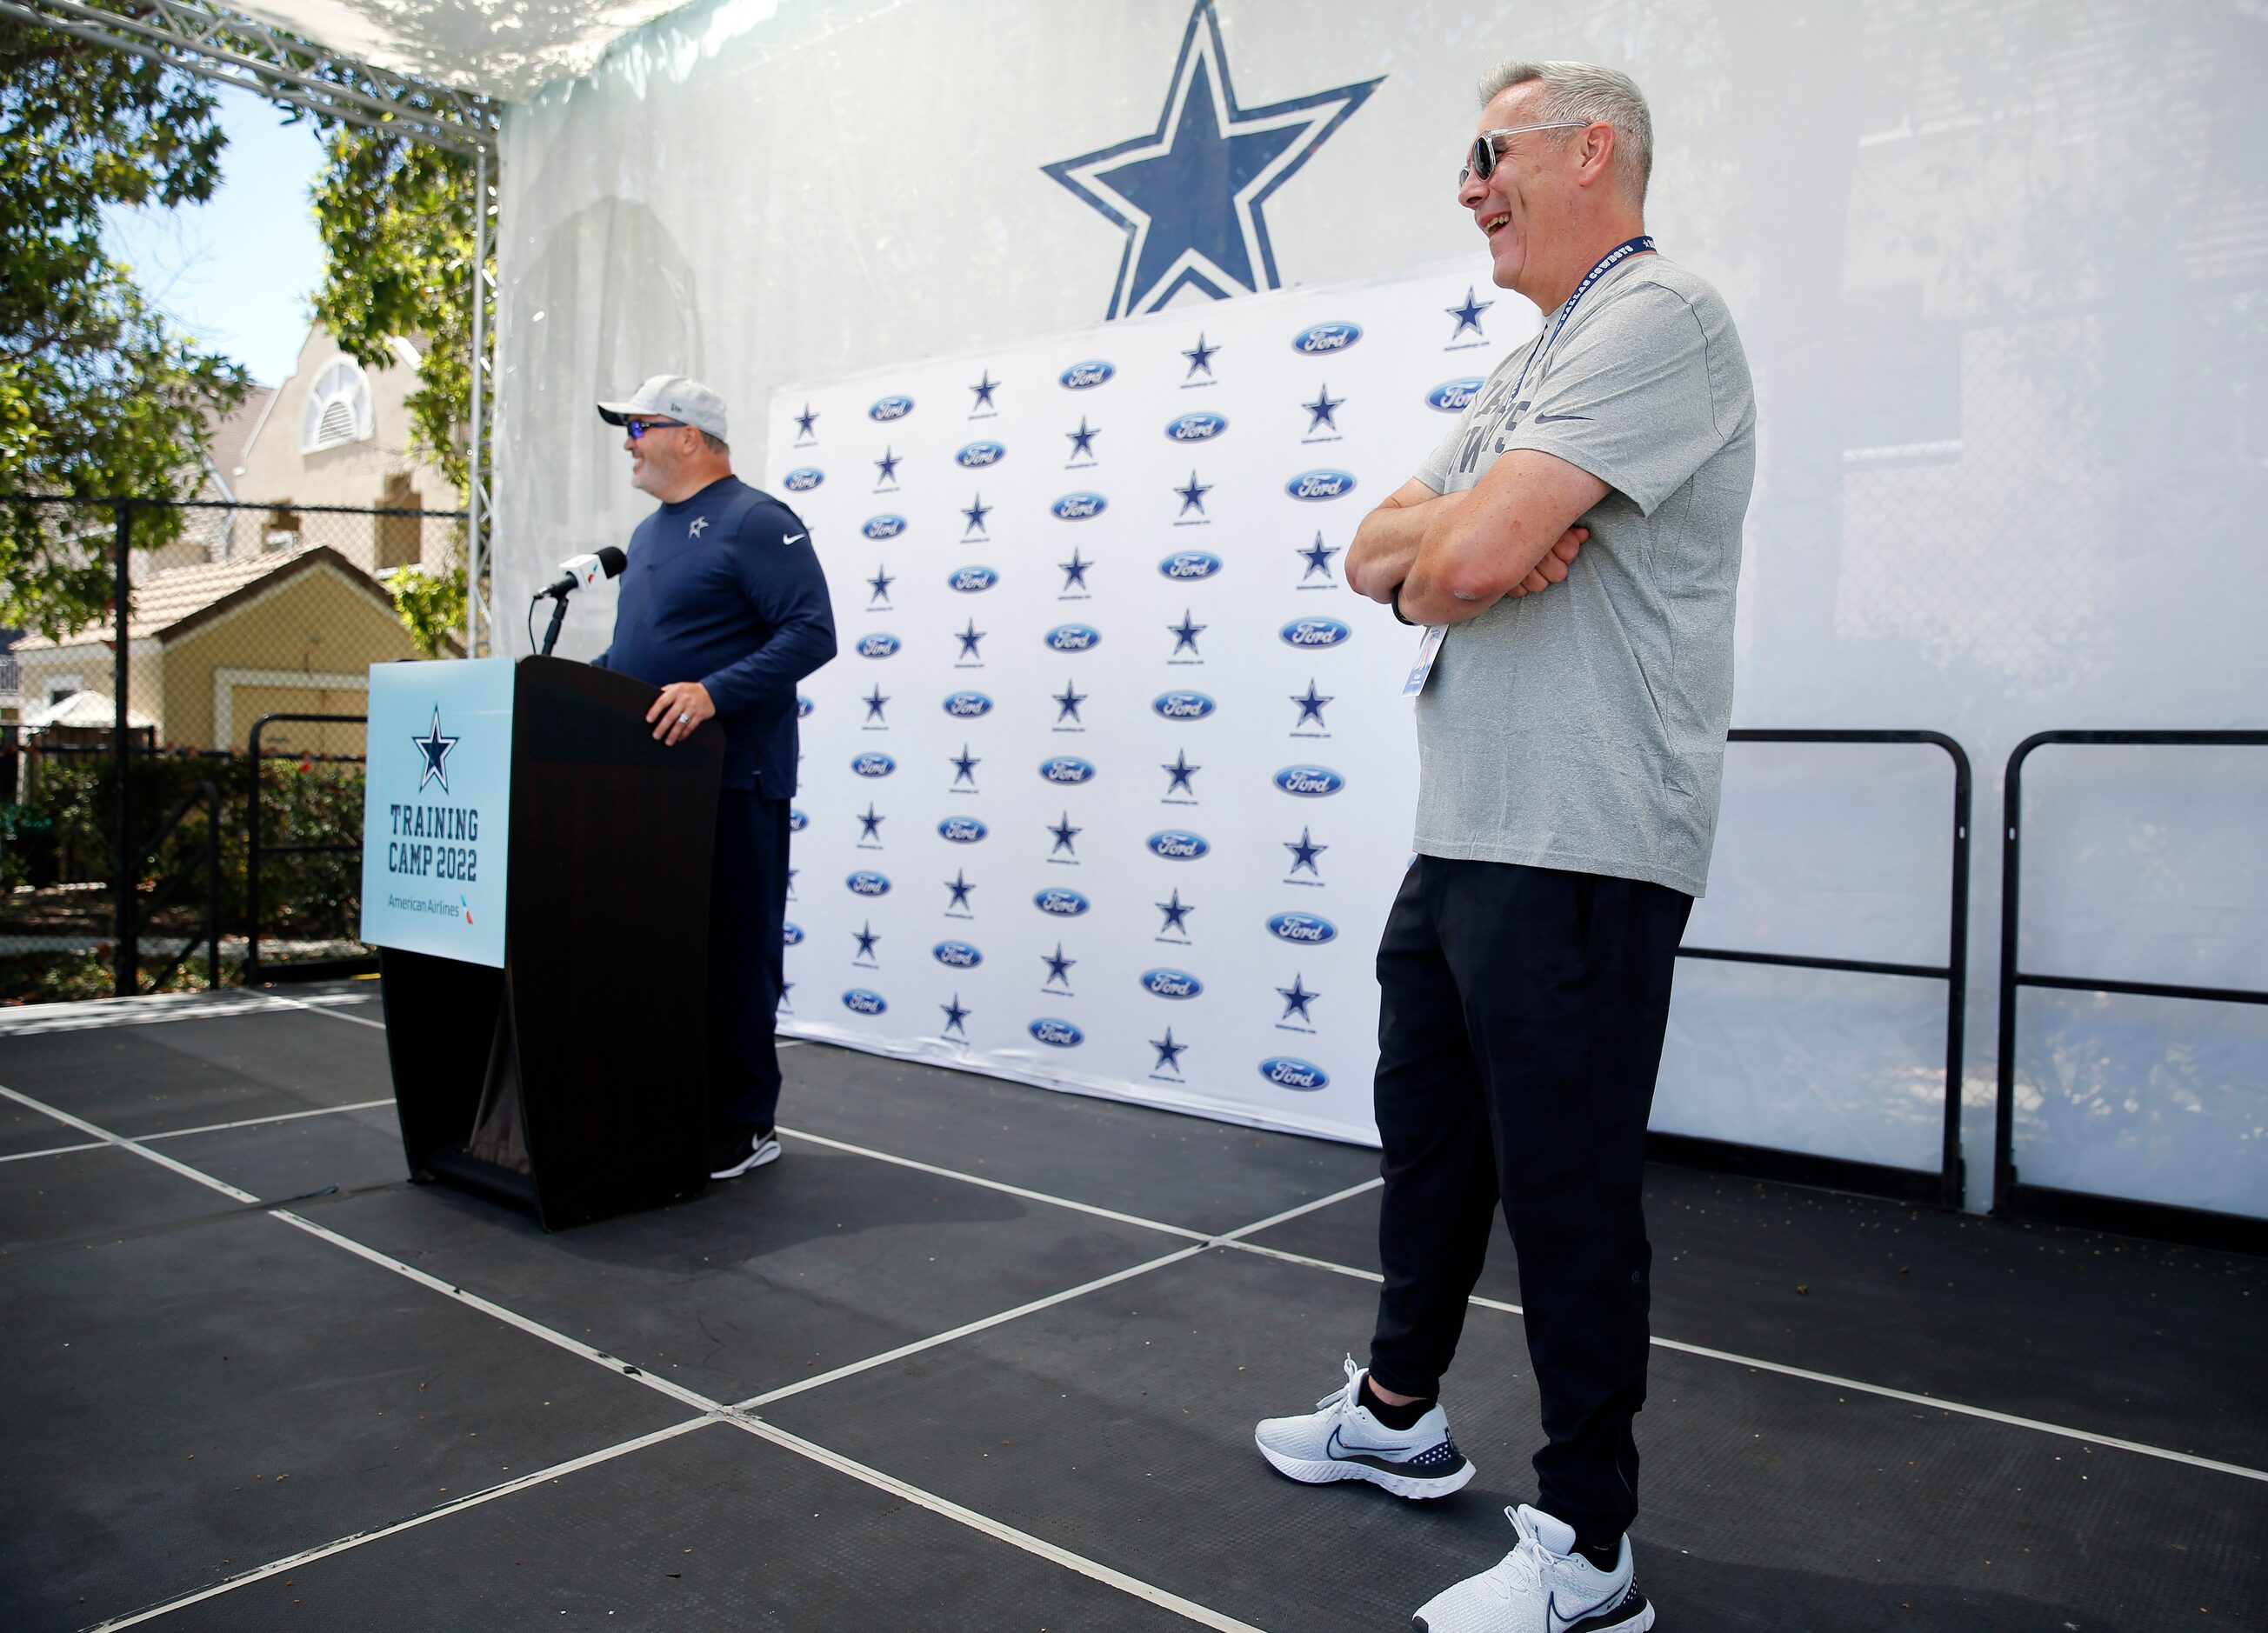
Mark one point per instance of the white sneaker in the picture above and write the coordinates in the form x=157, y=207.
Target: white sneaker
x=1341, y=1439
x=1541, y=1586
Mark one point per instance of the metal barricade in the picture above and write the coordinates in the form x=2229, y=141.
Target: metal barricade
x=257, y=850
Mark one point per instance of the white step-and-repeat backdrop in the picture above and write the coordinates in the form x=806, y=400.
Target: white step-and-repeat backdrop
x=1111, y=786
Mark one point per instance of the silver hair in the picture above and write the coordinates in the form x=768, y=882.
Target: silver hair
x=1601, y=95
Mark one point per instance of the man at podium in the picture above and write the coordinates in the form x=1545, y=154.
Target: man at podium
x=725, y=608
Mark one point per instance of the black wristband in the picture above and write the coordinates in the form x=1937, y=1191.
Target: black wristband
x=1394, y=605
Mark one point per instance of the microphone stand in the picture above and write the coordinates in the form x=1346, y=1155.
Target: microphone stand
x=558, y=617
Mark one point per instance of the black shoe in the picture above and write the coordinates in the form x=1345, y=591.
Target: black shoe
x=732, y=1155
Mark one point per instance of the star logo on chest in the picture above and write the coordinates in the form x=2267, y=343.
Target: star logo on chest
x=698, y=526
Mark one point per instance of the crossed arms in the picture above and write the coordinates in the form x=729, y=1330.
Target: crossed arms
x=1453, y=556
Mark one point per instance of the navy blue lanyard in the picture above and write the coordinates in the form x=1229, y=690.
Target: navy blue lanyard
x=1607, y=262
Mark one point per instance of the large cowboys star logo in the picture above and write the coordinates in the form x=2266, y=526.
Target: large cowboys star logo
x=1189, y=195
x=435, y=749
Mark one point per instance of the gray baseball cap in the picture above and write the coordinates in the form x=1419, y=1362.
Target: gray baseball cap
x=672, y=397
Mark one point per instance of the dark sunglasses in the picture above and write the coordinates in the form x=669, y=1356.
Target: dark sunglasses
x=638, y=428
x=1480, y=159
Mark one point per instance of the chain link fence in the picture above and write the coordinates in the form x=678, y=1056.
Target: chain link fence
x=140, y=755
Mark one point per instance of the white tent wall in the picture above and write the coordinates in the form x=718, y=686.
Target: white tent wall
x=2002, y=274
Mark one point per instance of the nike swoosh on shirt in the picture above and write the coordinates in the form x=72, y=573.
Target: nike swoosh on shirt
x=1546, y=419
x=792, y=538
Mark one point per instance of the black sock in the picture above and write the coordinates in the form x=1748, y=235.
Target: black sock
x=1603, y=1555
x=1392, y=1416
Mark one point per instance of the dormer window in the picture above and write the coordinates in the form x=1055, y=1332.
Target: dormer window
x=338, y=409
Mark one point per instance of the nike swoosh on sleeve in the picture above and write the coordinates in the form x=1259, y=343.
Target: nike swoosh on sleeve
x=792, y=537
x=1546, y=419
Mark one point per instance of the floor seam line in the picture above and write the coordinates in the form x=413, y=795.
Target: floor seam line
x=444, y=1511
x=311, y=1009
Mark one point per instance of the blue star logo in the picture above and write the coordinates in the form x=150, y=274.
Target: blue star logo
x=1068, y=702
x=1311, y=706
x=786, y=987
x=1186, y=632
x=888, y=465
x=1200, y=356
x=1296, y=999
x=875, y=699
x=1303, y=853
x=1468, y=315
x=792, y=872
x=1189, y=195
x=870, y=825
x=1322, y=410
x=882, y=582
x=1175, y=910
x=960, y=886
x=1058, y=967
x=983, y=388
x=964, y=767
x=1074, y=570
x=1082, y=440
x=866, y=935
x=969, y=638
x=1193, y=496
x=1180, y=771
x=1170, y=1053
x=954, y=1014
x=1319, y=558
x=436, y=749
x=1064, y=833
x=803, y=424
x=975, y=510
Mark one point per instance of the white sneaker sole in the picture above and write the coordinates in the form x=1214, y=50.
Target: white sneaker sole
x=766, y=1152
x=1308, y=1471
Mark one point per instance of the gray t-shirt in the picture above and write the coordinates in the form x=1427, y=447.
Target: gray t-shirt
x=1583, y=729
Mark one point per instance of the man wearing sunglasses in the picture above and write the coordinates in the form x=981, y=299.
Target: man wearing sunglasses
x=1570, y=745
x=725, y=608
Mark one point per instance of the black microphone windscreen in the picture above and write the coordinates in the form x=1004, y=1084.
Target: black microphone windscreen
x=612, y=560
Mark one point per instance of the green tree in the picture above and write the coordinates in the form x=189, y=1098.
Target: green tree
x=99, y=394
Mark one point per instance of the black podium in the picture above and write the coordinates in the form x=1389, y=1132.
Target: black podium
x=573, y=1081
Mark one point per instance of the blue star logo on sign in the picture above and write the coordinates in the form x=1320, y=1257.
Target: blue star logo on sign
x=1189, y=195
x=435, y=747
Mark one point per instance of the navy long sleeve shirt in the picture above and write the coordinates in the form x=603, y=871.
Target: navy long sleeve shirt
x=724, y=588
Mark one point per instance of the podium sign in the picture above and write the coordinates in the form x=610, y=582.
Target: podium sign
x=436, y=808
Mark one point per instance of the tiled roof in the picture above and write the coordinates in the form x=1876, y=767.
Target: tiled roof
x=166, y=601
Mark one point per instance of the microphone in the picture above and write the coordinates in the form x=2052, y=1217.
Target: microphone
x=583, y=571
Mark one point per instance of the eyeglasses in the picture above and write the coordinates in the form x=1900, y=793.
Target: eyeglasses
x=1480, y=161
x=638, y=428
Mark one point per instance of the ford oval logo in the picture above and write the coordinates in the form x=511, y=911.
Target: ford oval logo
x=1196, y=427
x=1081, y=376
x=1286, y=1073
x=977, y=455
x=1182, y=705
x=1454, y=396
x=803, y=707
x=1072, y=638
x=1061, y=903
x=963, y=830
x=1315, y=632
x=967, y=705
x=876, y=765
x=956, y=954
x=1309, y=782
x=1307, y=929
x=1190, y=564
x=1065, y=768
x=1171, y=983
x=804, y=478
x=1078, y=507
x=1058, y=1033
x=858, y=1001
x=1326, y=337
x=791, y=935
x=877, y=645
x=1313, y=485
x=970, y=580
x=891, y=409
x=1177, y=845
x=867, y=883
x=797, y=821
x=884, y=526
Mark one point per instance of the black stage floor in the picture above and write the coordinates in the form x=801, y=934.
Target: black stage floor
x=975, y=1355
